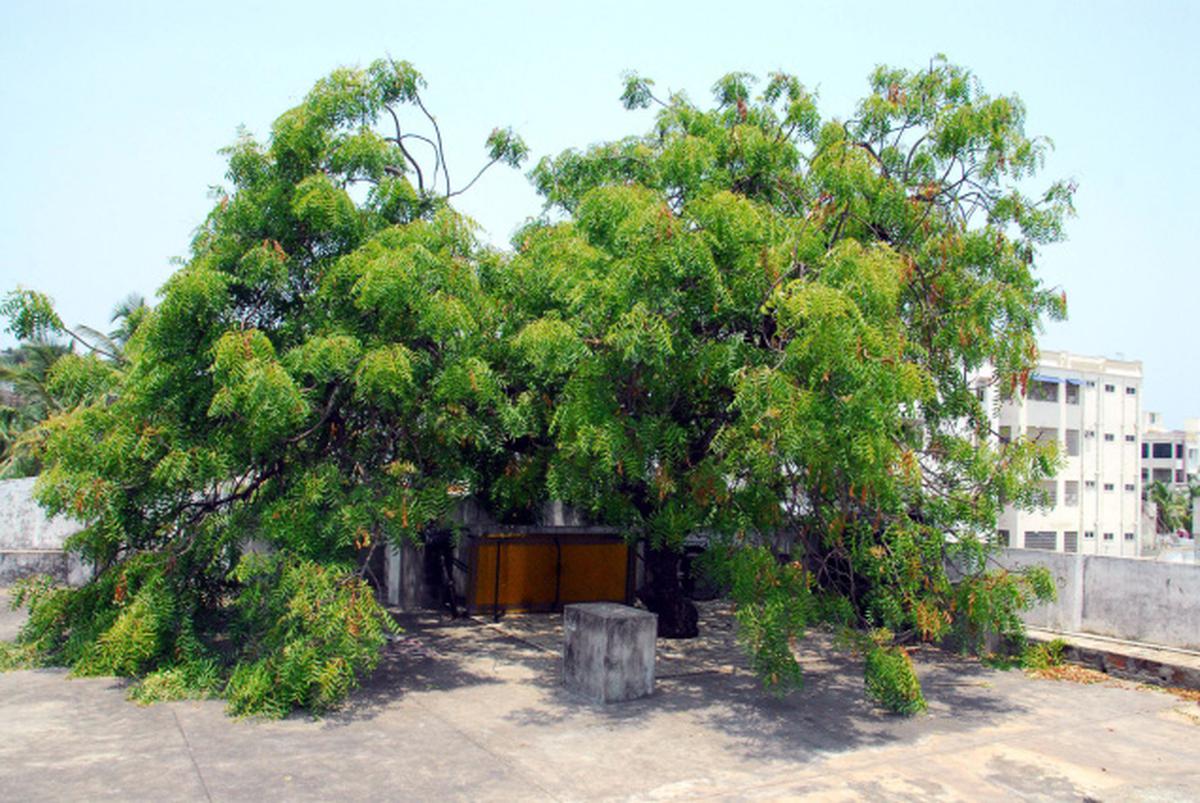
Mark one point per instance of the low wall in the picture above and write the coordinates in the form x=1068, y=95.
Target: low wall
x=1127, y=598
x=32, y=543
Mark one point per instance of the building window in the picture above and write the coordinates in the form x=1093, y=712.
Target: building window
x=1002, y=537
x=1179, y=475
x=1129, y=486
x=1179, y=451
x=1089, y=484
x=1109, y=437
x=1145, y=475
x=1193, y=455
x=1145, y=450
x=1129, y=391
x=1108, y=536
x=980, y=392
x=1130, y=439
x=1005, y=433
x=1071, y=541
x=1110, y=388
x=1070, y=493
x=1041, y=434
x=1089, y=433
x=1089, y=535
x=1041, y=540
x=1050, y=489
x=1043, y=390
x=1162, y=475
x=1072, y=393
x=1128, y=536
x=1160, y=450
x=1108, y=486
x=1072, y=442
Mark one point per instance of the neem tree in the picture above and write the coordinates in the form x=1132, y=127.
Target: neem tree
x=763, y=326
x=748, y=323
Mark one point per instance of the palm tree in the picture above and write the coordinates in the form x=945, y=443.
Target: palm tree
x=25, y=397
x=128, y=315
x=1172, y=508
x=24, y=373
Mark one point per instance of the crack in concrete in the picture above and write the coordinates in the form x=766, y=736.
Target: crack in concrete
x=192, y=756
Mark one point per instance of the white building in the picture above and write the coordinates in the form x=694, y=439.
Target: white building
x=1092, y=407
x=1170, y=456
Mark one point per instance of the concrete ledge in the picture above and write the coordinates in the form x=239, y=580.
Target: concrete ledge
x=61, y=566
x=608, y=651
x=1146, y=663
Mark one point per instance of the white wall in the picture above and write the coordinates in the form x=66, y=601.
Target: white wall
x=1133, y=599
x=31, y=543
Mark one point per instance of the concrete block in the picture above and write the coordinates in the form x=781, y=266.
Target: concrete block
x=608, y=651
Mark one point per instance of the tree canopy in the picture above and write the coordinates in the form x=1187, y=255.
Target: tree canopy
x=750, y=322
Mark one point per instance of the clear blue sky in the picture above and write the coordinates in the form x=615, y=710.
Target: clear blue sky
x=114, y=112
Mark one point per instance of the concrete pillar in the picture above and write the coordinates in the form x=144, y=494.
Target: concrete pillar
x=608, y=651
x=391, y=570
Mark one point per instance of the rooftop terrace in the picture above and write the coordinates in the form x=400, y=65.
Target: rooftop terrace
x=474, y=710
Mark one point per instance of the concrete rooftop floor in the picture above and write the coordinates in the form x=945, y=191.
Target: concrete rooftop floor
x=473, y=710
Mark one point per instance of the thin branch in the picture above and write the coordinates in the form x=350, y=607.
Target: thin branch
x=866, y=146
x=437, y=133
x=471, y=183
x=330, y=405
x=398, y=139
x=437, y=157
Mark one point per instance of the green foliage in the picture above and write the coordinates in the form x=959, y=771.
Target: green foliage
x=1045, y=655
x=30, y=315
x=119, y=624
x=15, y=656
x=304, y=633
x=191, y=680
x=892, y=682
x=990, y=603
x=27, y=372
x=311, y=631
x=751, y=321
x=1173, y=508
x=773, y=606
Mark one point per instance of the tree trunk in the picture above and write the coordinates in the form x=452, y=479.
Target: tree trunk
x=662, y=594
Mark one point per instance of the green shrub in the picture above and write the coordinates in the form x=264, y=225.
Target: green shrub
x=892, y=682
x=1044, y=656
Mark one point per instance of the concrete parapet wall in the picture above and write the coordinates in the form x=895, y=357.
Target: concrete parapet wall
x=31, y=542
x=23, y=523
x=1125, y=598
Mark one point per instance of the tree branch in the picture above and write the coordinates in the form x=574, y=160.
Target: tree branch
x=399, y=140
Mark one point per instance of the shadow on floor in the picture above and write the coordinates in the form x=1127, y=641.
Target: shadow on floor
x=707, y=679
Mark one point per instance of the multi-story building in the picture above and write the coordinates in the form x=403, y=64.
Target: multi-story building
x=1169, y=456
x=1092, y=407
